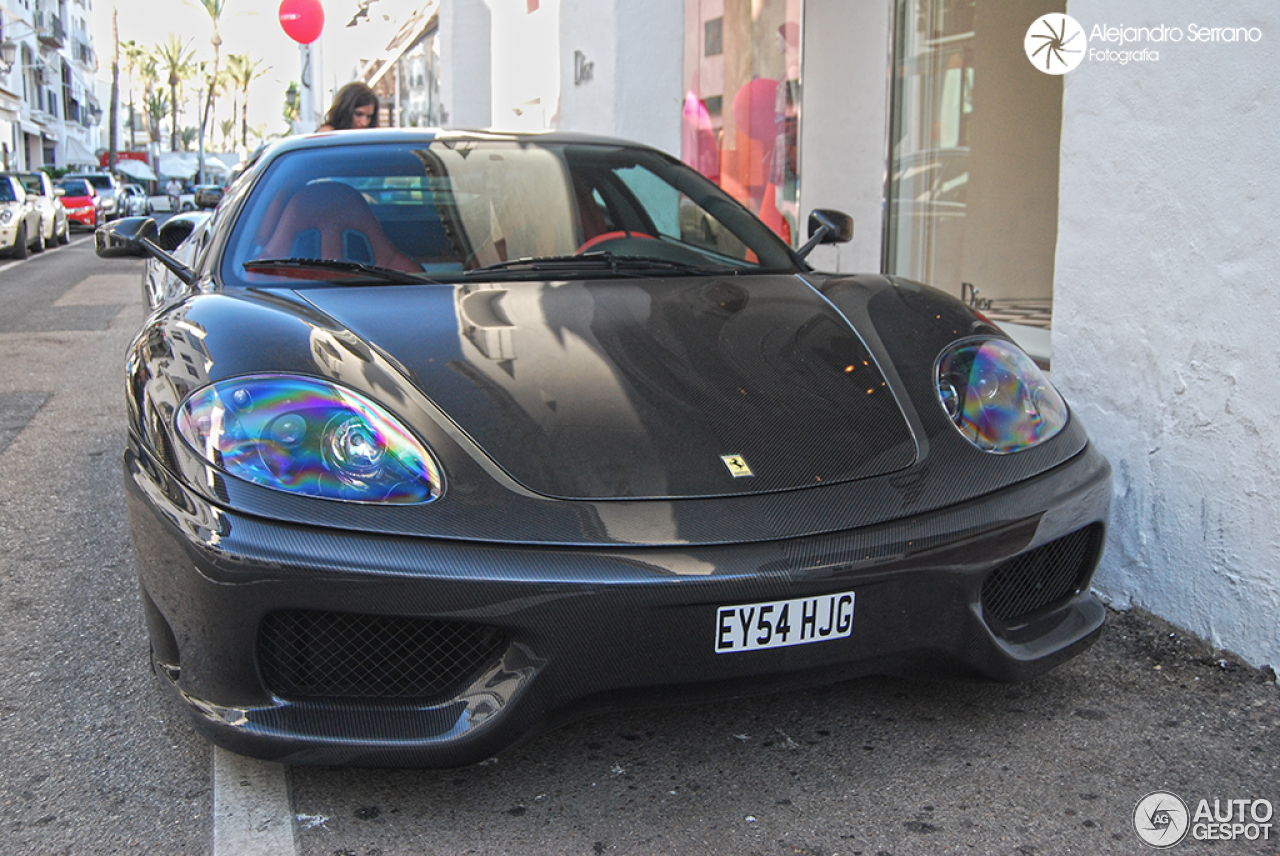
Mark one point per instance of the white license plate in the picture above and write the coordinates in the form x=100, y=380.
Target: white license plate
x=776, y=624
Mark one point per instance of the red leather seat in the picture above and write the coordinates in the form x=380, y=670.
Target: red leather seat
x=332, y=220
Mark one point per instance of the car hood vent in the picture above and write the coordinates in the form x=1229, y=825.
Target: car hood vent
x=643, y=388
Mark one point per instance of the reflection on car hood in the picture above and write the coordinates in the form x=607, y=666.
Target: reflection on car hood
x=665, y=387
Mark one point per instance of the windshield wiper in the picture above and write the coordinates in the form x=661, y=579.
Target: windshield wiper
x=334, y=270
x=621, y=265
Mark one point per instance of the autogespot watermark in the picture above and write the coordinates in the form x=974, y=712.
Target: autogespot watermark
x=1057, y=43
x=1163, y=820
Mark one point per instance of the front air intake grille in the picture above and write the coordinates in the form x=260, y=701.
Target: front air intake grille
x=333, y=655
x=1041, y=577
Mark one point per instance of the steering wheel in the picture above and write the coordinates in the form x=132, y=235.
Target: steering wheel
x=605, y=237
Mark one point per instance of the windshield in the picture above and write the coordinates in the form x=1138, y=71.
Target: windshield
x=32, y=184
x=6, y=192
x=75, y=187
x=102, y=182
x=448, y=209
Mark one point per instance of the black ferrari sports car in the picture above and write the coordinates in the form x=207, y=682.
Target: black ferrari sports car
x=440, y=438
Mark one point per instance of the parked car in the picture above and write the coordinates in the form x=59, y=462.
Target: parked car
x=133, y=201
x=207, y=195
x=19, y=219
x=54, y=225
x=162, y=202
x=437, y=438
x=108, y=188
x=81, y=201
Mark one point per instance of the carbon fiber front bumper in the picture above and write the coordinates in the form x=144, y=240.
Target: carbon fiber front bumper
x=586, y=628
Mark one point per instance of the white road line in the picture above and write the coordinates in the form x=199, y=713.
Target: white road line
x=252, y=811
x=33, y=256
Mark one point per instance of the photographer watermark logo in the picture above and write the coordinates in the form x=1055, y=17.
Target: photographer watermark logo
x=1055, y=43
x=1161, y=819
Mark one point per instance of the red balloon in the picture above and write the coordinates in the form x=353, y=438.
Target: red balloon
x=302, y=20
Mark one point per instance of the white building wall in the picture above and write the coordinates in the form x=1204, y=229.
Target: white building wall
x=587, y=62
x=1166, y=328
x=844, y=124
x=649, y=49
x=466, y=78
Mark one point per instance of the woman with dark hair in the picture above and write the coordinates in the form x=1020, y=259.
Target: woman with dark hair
x=355, y=106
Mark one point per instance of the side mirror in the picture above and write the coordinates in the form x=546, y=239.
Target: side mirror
x=137, y=236
x=59, y=191
x=123, y=238
x=827, y=226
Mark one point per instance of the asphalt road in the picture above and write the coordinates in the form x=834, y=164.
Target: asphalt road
x=95, y=759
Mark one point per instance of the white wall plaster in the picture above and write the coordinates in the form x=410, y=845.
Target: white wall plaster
x=844, y=124
x=466, y=78
x=1167, y=302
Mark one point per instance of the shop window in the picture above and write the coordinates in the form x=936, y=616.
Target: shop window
x=972, y=197
x=742, y=102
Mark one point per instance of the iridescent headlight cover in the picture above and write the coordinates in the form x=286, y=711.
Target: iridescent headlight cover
x=997, y=397
x=307, y=436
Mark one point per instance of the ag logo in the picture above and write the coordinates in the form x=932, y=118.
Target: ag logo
x=1055, y=43
x=1161, y=819
x=737, y=466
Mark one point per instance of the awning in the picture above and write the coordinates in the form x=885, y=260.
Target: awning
x=135, y=169
x=75, y=153
x=178, y=164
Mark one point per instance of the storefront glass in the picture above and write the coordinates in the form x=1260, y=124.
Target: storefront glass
x=972, y=199
x=742, y=102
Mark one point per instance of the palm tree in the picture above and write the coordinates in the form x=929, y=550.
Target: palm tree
x=149, y=73
x=132, y=53
x=157, y=109
x=113, y=151
x=175, y=55
x=214, y=9
x=243, y=71
x=228, y=129
x=218, y=86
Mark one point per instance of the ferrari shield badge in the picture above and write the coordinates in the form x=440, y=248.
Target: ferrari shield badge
x=737, y=466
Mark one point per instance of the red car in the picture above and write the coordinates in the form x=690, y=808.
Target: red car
x=81, y=200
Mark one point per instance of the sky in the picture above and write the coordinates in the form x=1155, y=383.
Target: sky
x=253, y=27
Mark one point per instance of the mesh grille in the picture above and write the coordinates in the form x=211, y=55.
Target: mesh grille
x=336, y=655
x=1043, y=576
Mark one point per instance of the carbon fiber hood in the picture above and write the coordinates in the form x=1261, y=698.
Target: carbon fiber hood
x=643, y=388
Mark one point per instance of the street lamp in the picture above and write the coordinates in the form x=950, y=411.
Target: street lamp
x=8, y=54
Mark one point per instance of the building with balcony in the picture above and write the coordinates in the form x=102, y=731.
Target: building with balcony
x=49, y=110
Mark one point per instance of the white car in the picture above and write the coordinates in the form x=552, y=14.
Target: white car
x=162, y=202
x=54, y=225
x=134, y=201
x=19, y=219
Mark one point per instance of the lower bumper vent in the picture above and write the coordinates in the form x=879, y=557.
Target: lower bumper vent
x=332, y=655
x=1041, y=577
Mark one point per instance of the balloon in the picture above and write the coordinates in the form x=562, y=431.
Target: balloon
x=302, y=20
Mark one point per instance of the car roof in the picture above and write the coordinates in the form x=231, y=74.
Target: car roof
x=428, y=135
